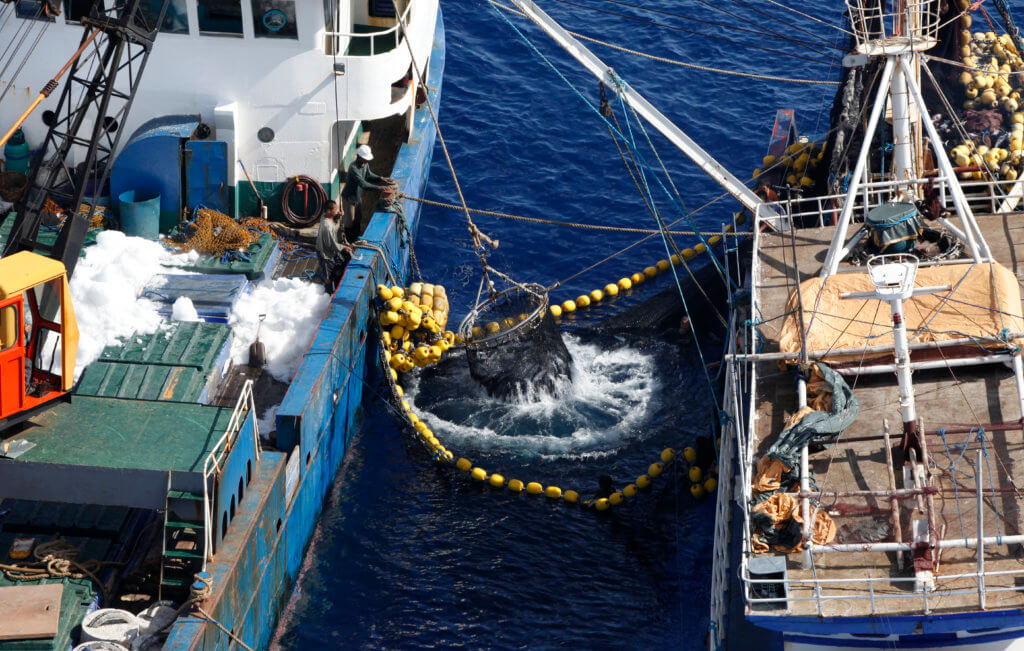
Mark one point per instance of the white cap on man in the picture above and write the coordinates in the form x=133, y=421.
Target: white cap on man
x=364, y=152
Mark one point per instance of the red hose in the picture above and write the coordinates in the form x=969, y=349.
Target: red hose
x=319, y=195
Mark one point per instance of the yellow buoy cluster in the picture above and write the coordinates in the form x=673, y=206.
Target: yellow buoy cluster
x=412, y=326
x=627, y=283
x=494, y=327
x=703, y=481
x=797, y=163
x=989, y=85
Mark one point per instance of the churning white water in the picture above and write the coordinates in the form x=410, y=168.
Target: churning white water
x=593, y=415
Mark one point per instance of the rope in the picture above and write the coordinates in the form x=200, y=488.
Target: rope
x=208, y=618
x=675, y=62
x=55, y=559
x=695, y=33
x=475, y=234
x=395, y=206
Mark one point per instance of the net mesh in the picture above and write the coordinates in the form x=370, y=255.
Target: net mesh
x=214, y=233
x=513, y=345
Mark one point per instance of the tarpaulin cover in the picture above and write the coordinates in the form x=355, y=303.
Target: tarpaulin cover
x=984, y=302
x=818, y=427
x=778, y=526
x=894, y=227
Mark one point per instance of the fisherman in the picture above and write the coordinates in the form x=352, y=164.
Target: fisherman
x=332, y=247
x=359, y=178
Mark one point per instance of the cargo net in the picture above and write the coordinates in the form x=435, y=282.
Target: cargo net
x=213, y=233
x=513, y=345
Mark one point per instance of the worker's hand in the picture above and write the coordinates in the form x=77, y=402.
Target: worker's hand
x=390, y=181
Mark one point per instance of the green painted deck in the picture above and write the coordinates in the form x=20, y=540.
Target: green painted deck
x=117, y=433
x=46, y=236
x=176, y=364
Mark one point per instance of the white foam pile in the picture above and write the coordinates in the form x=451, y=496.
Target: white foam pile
x=293, y=307
x=108, y=280
x=106, y=286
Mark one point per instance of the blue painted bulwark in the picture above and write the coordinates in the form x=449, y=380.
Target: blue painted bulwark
x=259, y=558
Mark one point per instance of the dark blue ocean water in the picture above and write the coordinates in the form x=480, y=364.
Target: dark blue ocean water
x=408, y=555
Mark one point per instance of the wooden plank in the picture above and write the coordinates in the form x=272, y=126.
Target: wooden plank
x=29, y=612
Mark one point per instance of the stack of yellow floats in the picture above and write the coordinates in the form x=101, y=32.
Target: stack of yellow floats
x=627, y=283
x=799, y=160
x=412, y=326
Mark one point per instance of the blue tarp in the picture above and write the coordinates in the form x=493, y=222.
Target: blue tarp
x=213, y=295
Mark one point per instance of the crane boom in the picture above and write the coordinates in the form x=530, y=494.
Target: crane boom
x=718, y=173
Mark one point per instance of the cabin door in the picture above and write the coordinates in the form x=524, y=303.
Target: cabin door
x=207, y=175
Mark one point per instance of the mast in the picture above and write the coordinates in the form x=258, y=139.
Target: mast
x=646, y=110
x=898, y=37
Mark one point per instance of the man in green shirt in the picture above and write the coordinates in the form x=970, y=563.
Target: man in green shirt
x=359, y=178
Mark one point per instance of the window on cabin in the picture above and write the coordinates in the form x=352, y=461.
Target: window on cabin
x=382, y=8
x=175, y=18
x=220, y=17
x=274, y=19
x=74, y=10
x=33, y=9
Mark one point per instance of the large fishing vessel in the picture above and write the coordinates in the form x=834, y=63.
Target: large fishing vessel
x=160, y=478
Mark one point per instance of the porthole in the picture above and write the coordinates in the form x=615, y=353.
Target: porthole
x=266, y=134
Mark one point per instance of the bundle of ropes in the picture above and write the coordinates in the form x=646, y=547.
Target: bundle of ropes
x=54, y=559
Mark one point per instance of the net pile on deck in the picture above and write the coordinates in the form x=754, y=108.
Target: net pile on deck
x=513, y=346
x=214, y=233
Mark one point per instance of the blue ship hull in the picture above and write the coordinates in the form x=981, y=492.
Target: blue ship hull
x=257, y=563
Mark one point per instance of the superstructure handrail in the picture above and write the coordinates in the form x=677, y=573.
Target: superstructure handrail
x=394, y=29
x=213, y=464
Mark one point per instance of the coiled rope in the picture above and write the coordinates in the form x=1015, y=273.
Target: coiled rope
x=55, y=559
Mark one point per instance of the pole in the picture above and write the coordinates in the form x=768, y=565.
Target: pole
x=897, y=527
x=48, y=88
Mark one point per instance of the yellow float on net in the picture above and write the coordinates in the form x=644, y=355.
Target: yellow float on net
x=478, y=332
x=534, y=488
x=700, y=248
x=398, y=291
x=689, y=254
x=601, y=504
x=675, y=260
x=571, y=496
x=394, y=375
x=463, y=464
x=697, y=491
x=611, y=289
x=643, y=481
x=667, y=455
x=695, y=474
x=625, y=284
x=388, y=318
x=554, y=492
x=663, y=265
x=655, y=469
x=615, y=498
x=384, y=292
x=637, y=278
x=630, y=491
x=710, y=484
x=556, y=311
x=582, y=301
x=492, y=328
x=515, y=485
x=651, y=272
x=569, y=306
x=596, y=296
x=478, y=474
x=689, y=454
x=497, y=480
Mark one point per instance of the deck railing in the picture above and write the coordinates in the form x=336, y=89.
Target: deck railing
x=739, y=402
x=392, y=37
x=214, y=463
x=982, y=196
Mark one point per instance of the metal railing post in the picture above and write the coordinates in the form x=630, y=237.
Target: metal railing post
x=978, y=468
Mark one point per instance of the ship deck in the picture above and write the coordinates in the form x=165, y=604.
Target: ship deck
x=860, y=583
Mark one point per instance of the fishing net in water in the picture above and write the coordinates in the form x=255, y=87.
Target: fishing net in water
x=513, y=346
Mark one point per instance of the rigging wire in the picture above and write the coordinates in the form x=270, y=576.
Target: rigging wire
x=28, y=55
x=760, y=31
x=696, y=33
x=676, y=62
x=810, y=17
x=779, y=20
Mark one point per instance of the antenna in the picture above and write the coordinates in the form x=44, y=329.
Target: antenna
x=898, y=35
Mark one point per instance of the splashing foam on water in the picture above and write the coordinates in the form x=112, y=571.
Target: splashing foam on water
x=596, y=413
